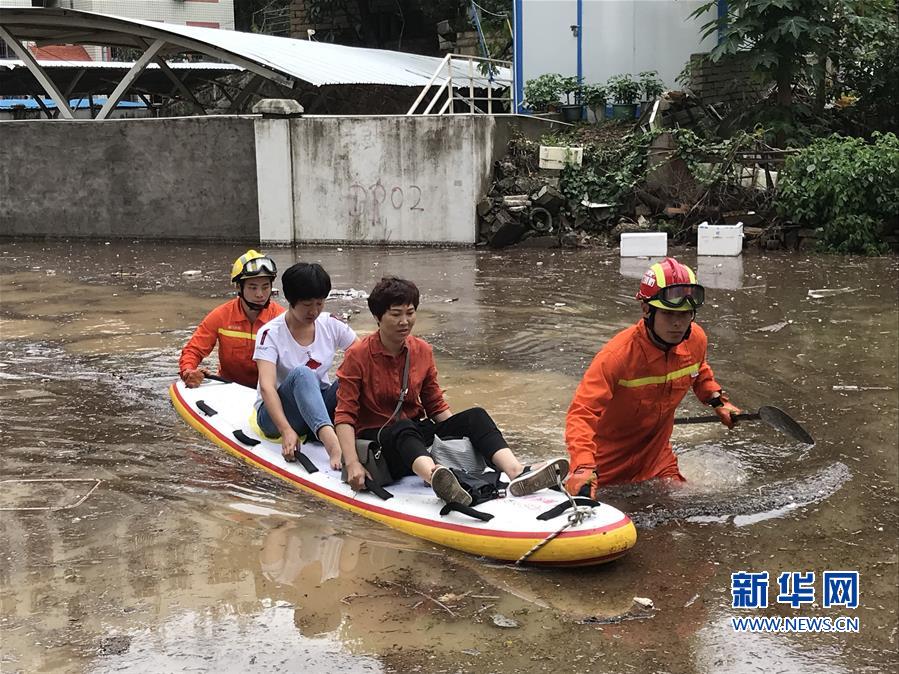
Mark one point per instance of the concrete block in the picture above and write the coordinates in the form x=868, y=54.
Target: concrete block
x=644, y=244
x=278, y=107
x=719, y=239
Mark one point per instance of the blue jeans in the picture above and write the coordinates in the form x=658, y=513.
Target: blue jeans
x=307, y=404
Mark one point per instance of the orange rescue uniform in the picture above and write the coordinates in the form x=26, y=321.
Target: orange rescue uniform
x=622, y=415
x=229, y=326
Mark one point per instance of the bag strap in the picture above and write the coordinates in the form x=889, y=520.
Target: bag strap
x=404, y=389
x=465, y=510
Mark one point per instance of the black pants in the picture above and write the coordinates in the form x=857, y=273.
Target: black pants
x=407, y=439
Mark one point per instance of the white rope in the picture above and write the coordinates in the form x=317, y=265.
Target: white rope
x=577, y=515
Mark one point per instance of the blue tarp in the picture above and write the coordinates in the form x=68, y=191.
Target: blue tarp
x=74, y=104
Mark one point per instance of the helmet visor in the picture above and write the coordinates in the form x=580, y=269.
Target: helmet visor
x=260, y=266
x=677, y=295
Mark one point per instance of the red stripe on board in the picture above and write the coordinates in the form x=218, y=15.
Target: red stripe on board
x=392, y=513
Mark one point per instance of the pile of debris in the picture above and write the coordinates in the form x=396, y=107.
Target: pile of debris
x=537, y=217
x=535, y=202
x=526, y=205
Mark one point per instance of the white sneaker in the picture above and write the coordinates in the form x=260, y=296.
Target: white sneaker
x=535, y=479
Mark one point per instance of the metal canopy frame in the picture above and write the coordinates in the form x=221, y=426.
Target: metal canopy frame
x=46, y=27
x=288, y=64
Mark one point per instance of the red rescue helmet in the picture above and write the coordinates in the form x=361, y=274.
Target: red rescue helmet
x=672, y=286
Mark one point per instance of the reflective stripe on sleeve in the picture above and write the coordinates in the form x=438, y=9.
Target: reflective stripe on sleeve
x=660, y=379
x=236, y=333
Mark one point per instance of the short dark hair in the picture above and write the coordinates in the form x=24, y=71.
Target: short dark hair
x=305, y=281
x=390, y=292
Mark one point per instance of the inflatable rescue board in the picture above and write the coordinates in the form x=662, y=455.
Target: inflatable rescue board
x=540, y=529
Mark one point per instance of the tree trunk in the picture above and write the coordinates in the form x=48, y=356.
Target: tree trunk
x=784, y=97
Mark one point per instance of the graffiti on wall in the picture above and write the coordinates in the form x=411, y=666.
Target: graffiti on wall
x=369, y=204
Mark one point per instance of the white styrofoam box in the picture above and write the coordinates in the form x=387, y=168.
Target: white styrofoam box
x=720, y=271
x=552, y=157
x=635, y=267
x=720, y=239
x=644, y=244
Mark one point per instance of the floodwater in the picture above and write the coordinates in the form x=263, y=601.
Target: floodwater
x=128, y=542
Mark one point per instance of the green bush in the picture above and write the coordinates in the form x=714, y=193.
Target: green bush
x=847, y=187
x=543, y=91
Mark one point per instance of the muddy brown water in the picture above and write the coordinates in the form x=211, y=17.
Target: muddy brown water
x=185, y=559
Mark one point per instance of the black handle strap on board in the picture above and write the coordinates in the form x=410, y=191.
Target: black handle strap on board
x=245, y=439
x=206, y=409
x=465, y=510
x=305, y=461
x=565, y=505
x=377, y=489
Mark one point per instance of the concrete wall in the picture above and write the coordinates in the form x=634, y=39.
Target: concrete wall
x=191, y=177
x=378, y=179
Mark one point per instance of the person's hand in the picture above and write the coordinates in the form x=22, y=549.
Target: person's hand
x=193, y=378
x=582, y=481
x=726, y=412
x=289, y=444
x=355, y=476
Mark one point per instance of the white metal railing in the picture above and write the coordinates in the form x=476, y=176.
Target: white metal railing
x=480, y=85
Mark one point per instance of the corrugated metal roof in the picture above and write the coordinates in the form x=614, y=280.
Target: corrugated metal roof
x=324, y=63
x=318, y=63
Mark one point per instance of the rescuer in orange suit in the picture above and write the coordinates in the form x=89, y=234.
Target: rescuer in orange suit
x=618, y=427
x=233, y=325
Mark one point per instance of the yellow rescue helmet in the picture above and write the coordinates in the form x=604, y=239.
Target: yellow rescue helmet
x=252, y=263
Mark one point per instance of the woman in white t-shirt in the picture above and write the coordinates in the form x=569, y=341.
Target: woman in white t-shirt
x=293, y=355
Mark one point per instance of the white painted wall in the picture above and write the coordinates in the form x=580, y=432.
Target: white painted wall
x=274, y=180
x=378, y=179
x=619, y=36
x=169, y=11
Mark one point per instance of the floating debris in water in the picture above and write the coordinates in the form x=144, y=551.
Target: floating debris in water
x=350, y=294
x=774, y=327
x=850, y=387
x=640, y=609
x=821, y=293
x=502, y=621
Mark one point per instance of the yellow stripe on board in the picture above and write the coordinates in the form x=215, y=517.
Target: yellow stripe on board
x=235, y=333
x=660, y=379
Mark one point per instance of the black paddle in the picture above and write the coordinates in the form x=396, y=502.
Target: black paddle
x=774, y=417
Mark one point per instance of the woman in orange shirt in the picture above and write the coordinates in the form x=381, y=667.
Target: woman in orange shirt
x=367, y=406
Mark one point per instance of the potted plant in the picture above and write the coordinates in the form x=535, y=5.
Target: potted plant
x=573, y=110
x=542, y=92
x=624, y=90
x=651, y=86
x=595, y=97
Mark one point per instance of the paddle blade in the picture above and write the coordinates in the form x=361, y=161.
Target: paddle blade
x=777, y=418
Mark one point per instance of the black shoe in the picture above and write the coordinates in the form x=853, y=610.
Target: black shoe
x=447, y=487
